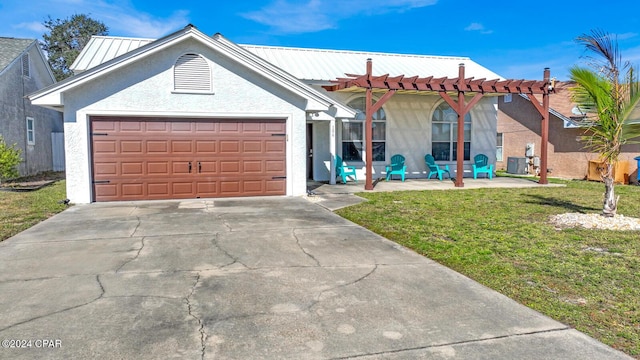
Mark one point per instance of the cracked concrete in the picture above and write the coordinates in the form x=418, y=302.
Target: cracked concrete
x=251, y=279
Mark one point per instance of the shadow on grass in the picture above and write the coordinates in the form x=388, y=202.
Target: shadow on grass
x=543, y=200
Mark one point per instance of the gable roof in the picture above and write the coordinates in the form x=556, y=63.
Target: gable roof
x=12, y=48
x=311, y=65
x=52, y=96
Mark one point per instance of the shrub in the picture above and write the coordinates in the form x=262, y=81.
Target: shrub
x=10, y=157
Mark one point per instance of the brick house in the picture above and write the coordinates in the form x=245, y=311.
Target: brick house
x=519, y=125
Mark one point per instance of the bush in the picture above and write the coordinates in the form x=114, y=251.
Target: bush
x=10, y=157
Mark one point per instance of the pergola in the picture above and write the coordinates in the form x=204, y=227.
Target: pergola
x=447, y=88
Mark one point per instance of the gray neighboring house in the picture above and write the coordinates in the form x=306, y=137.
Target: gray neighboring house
x=36, y=131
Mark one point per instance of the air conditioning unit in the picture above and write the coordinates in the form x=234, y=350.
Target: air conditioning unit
x=517, y=165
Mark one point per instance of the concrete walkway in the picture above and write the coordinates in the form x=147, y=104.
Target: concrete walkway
x=276, y=278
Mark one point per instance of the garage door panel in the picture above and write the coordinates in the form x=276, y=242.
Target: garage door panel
x=157, y=146
x=181, y=147
x=206, y=147
x=158, y=168
x=105, y=146
x=131, y=168
x=138, y=158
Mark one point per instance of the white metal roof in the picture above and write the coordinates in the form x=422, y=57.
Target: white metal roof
x=319, y=64
x=307, y=64
x=101, y=49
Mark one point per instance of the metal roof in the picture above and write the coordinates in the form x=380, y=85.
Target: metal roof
x=101, y=49
x=307, y=64
x=319, y=64
x=11, y=48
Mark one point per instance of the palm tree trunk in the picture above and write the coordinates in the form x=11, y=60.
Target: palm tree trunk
x=610, y=206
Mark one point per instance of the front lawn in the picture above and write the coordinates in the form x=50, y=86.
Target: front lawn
x=588, y=279
x=21, y=210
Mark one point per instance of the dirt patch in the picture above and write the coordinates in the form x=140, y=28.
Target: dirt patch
x=32, y=182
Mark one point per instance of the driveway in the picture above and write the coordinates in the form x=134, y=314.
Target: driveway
x=276, y=278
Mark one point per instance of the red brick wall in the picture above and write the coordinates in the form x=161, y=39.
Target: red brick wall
x=566, y=156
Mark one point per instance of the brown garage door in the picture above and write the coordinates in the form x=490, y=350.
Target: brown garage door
x=160, y=158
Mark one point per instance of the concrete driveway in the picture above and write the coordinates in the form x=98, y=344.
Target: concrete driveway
x=276, y=278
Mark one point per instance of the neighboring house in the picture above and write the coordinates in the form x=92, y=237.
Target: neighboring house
x=519, y=125
x=191, y=115
x=23, y=70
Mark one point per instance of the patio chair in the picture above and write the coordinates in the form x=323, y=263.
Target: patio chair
x=481, y=165
x=345, y=171
x=435, y=168
x=397, y=167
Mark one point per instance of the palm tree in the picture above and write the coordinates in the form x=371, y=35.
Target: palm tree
x=608, y=91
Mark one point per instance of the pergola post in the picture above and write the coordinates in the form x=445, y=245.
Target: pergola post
x=544, y=124
x=368, y=185
x=461, y=115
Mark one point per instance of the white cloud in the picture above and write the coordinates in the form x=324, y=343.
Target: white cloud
x=24, y=19
x=291, y=16
x=478, y=27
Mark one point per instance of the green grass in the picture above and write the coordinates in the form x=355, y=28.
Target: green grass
x=21, y=210
x=502, y=239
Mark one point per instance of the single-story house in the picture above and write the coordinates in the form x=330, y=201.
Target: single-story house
x=191, y=115
x=36, y=131
x=519, y=132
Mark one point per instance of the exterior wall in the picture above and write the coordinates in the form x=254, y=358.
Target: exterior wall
x=409, y=134
x=520, y=123
x=16, y=108
x=144, y=88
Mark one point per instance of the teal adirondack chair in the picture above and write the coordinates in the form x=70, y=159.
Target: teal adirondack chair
x=435, y=168
x=344, y=171
x=481, y=165
x=397, y=167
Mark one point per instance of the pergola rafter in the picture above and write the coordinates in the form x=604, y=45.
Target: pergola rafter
x=446, y=87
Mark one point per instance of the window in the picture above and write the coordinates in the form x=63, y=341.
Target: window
x=191, y=73
x=353, y=145
x=507, y=98
x=444, y=134
x=26, y=70
x=31, y=138
x=499, y=140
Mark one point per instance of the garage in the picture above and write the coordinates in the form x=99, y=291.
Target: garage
x=137, y=158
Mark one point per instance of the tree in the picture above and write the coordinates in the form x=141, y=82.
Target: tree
x=608, y=91
x=66, y=38
x=10, y=157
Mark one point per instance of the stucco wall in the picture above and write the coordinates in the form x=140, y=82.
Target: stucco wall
x=144, y=88
x=566, y=156
x=16, y=108
x=409, y=133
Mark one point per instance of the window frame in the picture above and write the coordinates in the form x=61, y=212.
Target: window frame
x=450, y=118
x=31, y=130
x=360, y=146
x=500, y=147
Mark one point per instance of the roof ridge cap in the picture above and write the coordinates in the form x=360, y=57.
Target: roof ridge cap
x=356, y=52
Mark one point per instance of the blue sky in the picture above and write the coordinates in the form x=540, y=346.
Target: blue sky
x=516, y=39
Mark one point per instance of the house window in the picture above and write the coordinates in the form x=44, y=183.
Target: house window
x=26, y=70
x=444, y=134
x=31, y=136
x=192, y=73
x=353, y=133
x=499, y=142
x=507, y=98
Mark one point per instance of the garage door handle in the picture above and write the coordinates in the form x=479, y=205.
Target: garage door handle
x=199, y=167
x=189, y=167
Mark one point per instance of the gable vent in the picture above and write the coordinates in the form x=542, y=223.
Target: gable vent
x=26, y=71
x=192, y=73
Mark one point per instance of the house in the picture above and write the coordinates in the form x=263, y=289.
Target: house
x=35, y=130
x=519, y=130
x=191, y=115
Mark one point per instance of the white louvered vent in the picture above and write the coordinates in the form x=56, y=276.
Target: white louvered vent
x=26, y=71
x=192, y=73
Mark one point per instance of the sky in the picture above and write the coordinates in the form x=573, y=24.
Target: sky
x=515, y=39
